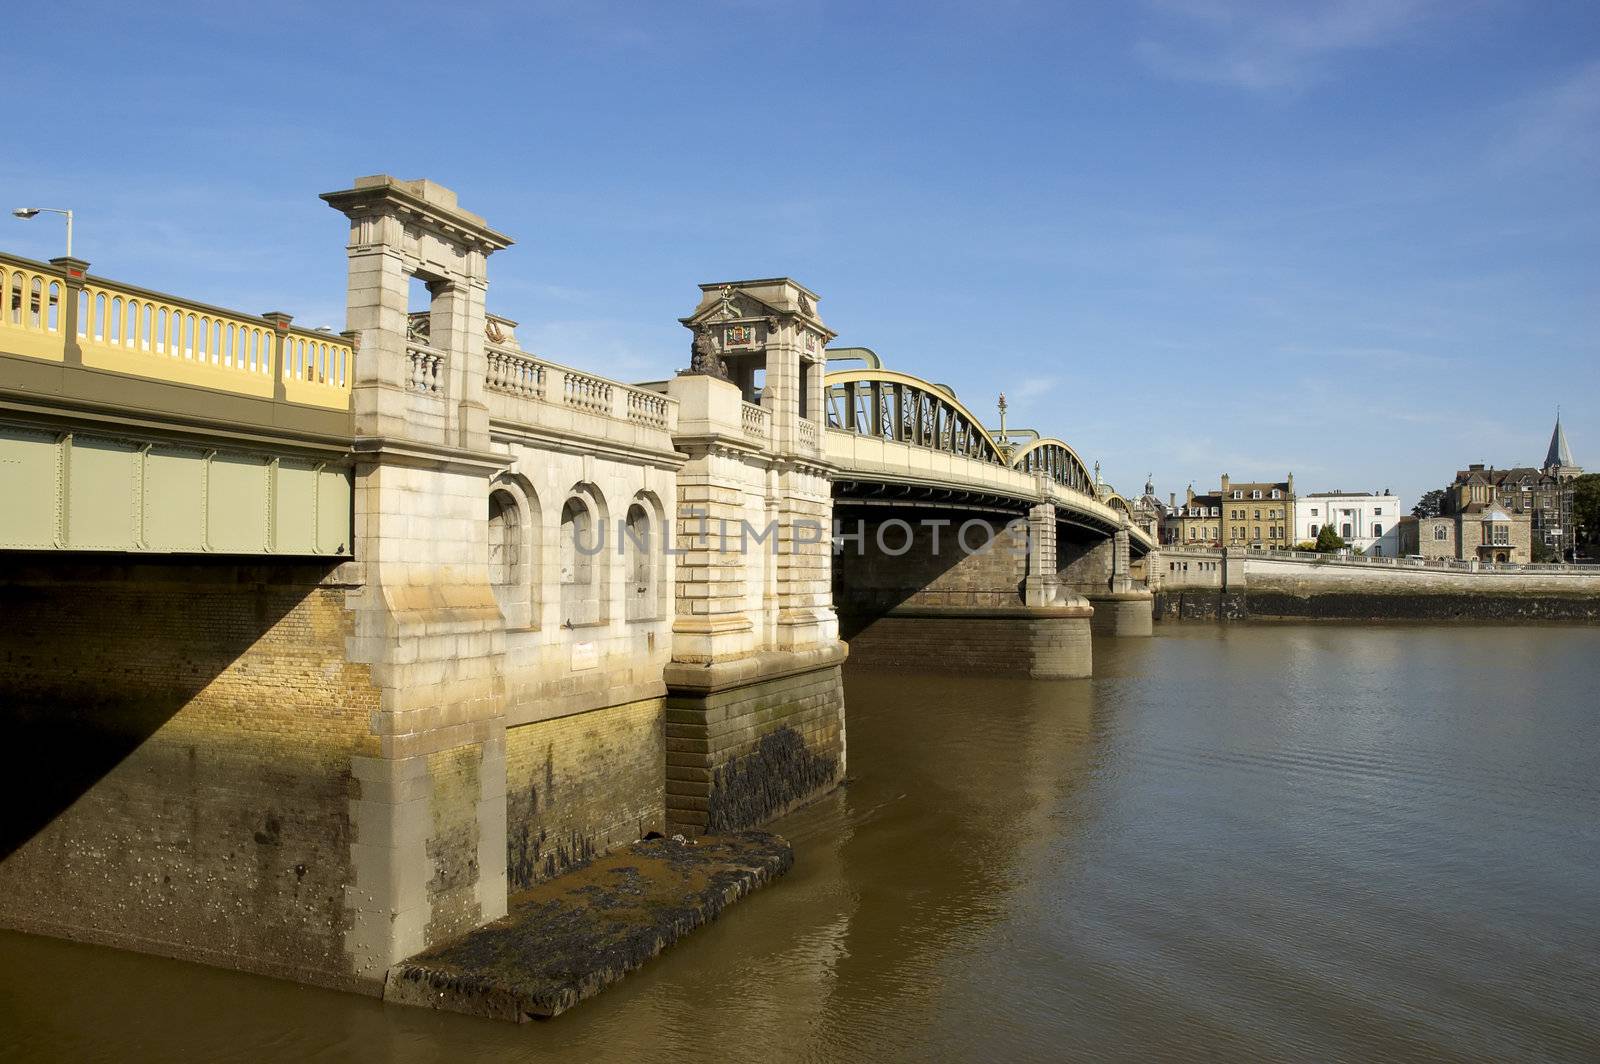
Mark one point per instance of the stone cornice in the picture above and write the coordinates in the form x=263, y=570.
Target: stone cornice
x=755, y=668
x=571, y=443
x=409, y=199
x=422, y=455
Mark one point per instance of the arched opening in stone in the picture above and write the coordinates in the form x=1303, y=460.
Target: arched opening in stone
x=513, y=536
x=582, y=552
x=505, y=541
x=639, y=554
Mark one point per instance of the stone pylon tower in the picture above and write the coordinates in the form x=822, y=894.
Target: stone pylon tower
x=755, y=711
x=428, y=807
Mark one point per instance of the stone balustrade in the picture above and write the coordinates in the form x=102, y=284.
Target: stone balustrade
x=647, y=407
x=757, y=422
x=585, y=392
x=426, y=367
x=515, y=373
x=529, y=391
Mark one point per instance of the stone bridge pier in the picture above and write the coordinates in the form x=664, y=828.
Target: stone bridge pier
x=963, y=587
x=755, y=698
x=1099, y=568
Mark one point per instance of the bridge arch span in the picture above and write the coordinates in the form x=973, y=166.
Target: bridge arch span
x=895, y=406
x=1056, y=459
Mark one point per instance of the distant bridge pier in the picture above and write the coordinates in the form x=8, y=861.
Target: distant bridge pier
x=1099, y=569
x=957, y=588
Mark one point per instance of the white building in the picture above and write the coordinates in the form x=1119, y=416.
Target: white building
x=1362, y=519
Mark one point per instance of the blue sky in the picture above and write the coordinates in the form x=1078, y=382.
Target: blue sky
x=1358, y=240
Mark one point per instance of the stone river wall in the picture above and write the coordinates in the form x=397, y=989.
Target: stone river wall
x=1276, y=588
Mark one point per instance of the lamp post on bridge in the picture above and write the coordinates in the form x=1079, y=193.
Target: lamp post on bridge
x=34, y=212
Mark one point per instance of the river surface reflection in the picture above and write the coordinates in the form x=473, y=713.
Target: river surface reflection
x=1295, y=843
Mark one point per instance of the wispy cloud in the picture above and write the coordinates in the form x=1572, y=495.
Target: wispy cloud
x=1267, y=45
x=1560, y=122
x=1033, y=388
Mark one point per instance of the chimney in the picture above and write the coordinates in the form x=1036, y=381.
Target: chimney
x=1172, y=500
x=1224, y=485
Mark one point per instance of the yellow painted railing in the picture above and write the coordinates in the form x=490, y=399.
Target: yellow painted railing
x=125, y=329
x=316, y=369
x=31, y=320
x=125, y=332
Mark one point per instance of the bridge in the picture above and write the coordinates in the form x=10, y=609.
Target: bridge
x=321, y=644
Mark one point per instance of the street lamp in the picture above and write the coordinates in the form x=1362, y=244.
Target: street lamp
x=34, y=212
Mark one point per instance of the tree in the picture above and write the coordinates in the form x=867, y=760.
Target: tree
x=1430, y=505
x=1328, y=540
x=1542, y=553
x=1586, y=506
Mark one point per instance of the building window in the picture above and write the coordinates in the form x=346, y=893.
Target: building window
x=1255, y=493
x=1276, y=494
x=1502, y=536
x=1258, y=515
x=1238, y=494
x=1314, y=530
x=1313, y=511
x=1377, y=529
x=1440, y=533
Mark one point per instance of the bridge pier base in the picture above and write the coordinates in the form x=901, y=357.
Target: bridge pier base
x=751, y=739
x=1042, y=642
x=1123, y=613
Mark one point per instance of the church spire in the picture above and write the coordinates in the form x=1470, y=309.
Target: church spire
x=1559, y=455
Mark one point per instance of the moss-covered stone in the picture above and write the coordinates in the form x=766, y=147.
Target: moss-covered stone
x=567, y=939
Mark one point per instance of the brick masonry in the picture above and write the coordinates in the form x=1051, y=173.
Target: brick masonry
x=739, y=756
x=579, y=786
x=882, y=570
x=943, y=606
x=180, y=740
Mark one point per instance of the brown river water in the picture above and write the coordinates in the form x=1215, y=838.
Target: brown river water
x=1235, y=843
